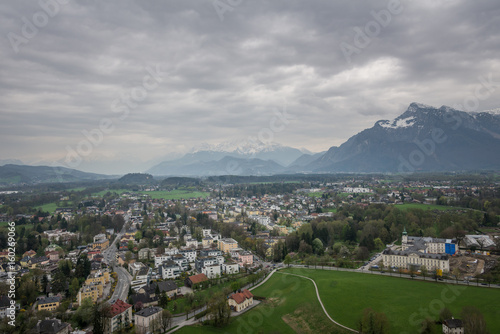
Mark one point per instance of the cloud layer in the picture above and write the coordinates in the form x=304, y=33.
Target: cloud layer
x=163, y=76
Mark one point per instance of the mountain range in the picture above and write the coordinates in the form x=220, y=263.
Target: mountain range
x=423, y=138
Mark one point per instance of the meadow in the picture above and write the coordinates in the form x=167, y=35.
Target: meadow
x=292, y=305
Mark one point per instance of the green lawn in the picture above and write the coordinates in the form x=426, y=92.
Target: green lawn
x=346, y=294
x=116, y=191
x=315, y=194
x=291, y=307
x=175, y=194
x=330, y=210
x=49, y=207
x=426, y=207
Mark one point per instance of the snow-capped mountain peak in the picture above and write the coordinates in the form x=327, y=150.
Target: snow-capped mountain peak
x=398, y=123
x=240, y=146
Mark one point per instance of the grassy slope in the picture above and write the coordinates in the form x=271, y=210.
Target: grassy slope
x=346, y=294
x=290, y=297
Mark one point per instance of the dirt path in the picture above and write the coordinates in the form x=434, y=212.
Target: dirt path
x=321, y=303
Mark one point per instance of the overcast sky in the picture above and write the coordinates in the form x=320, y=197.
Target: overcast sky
x=147, y=78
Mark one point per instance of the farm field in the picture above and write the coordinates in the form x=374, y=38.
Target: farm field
x=291, y=307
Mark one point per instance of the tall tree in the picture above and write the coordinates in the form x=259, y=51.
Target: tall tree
x=473, y=321
x=373, y=322
x=218, y=310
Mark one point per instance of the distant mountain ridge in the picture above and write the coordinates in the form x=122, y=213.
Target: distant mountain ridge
x=423, y=138
x=15, y=174
x=255, y=156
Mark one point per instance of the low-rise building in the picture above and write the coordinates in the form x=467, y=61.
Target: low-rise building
x=120, y=316
x=195, y=280
x=453, y=326
x=227, y=244
x=148, y=320
x=240, y=300
x=169, y=270
x=212, y=271
x=52, y=326
x=230, y=268
x=48, y=304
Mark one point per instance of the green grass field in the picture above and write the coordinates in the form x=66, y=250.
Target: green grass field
x=291, y=307
x=104, y=192
x=407, y=206
x=49, y=207
x=175, y=194
x=315, y=194
x=346, y=294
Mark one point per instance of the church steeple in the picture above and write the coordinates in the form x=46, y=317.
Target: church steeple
x=404, y=238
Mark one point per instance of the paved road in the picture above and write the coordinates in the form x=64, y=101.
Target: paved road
x=124, y=278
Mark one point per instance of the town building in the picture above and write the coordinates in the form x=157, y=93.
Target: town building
x=148, y=320
x=453, y=326
x=195, y=280
x=52, y=326
x=120, y=316
x=227, y=244
x=48, y=304
x=240, y=300
x=420, y=251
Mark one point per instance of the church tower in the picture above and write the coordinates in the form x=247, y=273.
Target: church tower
x=404, y=238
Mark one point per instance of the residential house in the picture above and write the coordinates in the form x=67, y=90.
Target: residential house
x=120, y=316
x=212, y=271
x=48, y=303
x=245, y=258
x=99, y=237
x=453, y=326
x=189, y=254
x=36, y=262
x=145, y=299
x=53, y=256
x=170, y=270
x=192, y=243
x=169, y=287
x=240, y=300
x=207, y=242
x=135, y=267
x=52, y=326
x=148, y=320
x=143, y=254
x=230, y=268
x=5, y=305
x=227, y=244
x=92, y=291
x=101, y=244
x=195, y=280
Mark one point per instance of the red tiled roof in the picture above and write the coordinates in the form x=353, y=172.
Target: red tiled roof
x=198, y=278
x=240, y=297
x=119, y=307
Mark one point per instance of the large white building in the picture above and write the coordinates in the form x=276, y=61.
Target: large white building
x=420, y=251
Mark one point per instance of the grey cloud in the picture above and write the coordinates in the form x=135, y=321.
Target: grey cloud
x=221, y=79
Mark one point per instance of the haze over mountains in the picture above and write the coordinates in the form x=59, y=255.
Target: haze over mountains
x=423, y=138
